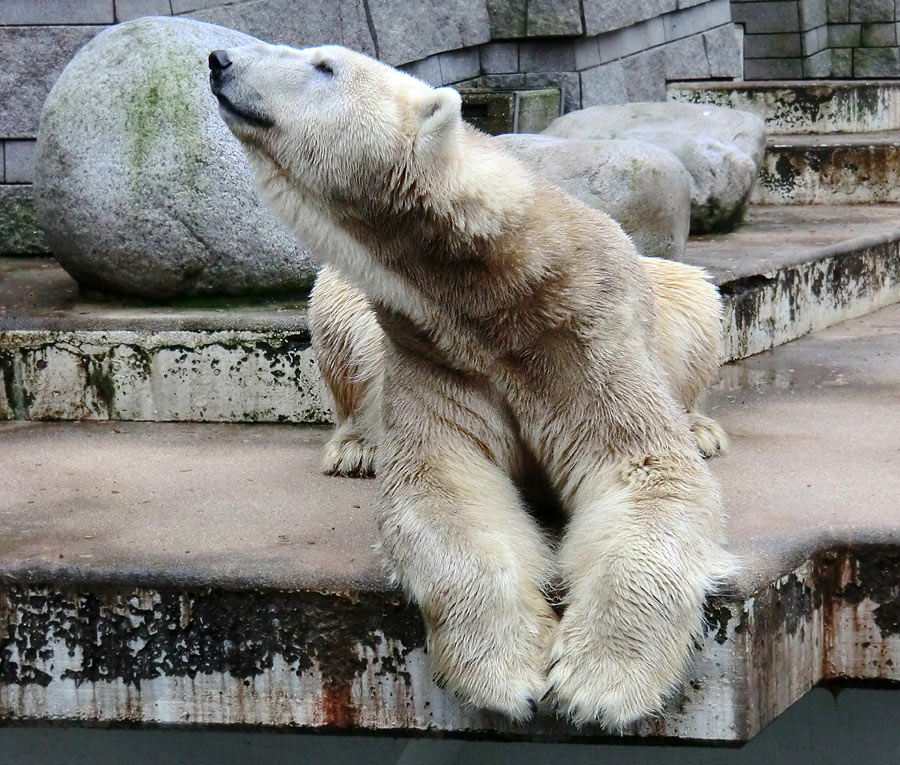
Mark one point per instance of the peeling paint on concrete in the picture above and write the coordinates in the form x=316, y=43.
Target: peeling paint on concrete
x=307, y=660
x=356, y=661
x=271, y=376
x=799, y=173
x=165, y=376
x=767, y=310
x=802, y=106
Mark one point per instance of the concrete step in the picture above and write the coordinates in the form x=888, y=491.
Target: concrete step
x=788, y=271
x=194, y=575
x=844, y=168
x=792, y=106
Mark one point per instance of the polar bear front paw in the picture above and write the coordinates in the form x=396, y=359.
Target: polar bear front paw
x=709, y=436
x=499, y=664
x=349, y=455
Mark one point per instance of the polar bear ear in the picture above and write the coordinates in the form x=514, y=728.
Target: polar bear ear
x=439, y=112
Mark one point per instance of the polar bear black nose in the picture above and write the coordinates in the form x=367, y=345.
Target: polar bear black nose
x=219, y=60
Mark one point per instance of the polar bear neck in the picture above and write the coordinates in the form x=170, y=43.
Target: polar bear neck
x=537, y=273
x=383, y=233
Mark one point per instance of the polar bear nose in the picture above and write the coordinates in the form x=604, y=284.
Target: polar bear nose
x=218, y=60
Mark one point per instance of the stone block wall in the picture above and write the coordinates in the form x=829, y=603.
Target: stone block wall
x=794, y=39
x=597, y=51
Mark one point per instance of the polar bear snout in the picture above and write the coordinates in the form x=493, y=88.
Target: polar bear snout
x=218, y=60
x=239, y=104
x=219, y=63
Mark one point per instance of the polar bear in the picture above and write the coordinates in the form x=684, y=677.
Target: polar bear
x=513, y=331
x=349, y=348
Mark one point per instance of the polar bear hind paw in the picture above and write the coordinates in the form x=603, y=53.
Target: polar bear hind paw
x=709, y=436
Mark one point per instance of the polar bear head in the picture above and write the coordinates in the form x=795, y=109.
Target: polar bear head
x=370, y=167
x=334, y=120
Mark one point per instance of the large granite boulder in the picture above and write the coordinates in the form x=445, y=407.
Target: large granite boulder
x=720, y=147
x=643, y=187
x=140, y=186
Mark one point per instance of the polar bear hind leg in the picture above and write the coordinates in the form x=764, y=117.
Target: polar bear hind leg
x=690, y=342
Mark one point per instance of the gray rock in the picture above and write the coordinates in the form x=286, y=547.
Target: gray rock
x=500, y=58
x=871, y=10
x=546, y=56
x=18, y=159
x=876, y=62
x=686, y=59
x=410, y=31
x=645, y=75
x=507, y=18
x=720, y=147
x=33, y=57
x=20, y=232
x=29, y=12
x=126, y=10
x=457, y=65
x=723, y=51
x=604, y=84
x=548, y=18
x=643, y=187
x=533, y=18
x=603, y=16
x=140, y=187
x=301, y=25
x=395, y=31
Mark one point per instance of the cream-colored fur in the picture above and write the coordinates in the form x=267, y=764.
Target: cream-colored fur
x=508, y=329
x=349, y=347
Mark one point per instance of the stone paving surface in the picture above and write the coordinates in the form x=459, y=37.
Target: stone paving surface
x=775, y=236
x=875, y=138
x=815, y=462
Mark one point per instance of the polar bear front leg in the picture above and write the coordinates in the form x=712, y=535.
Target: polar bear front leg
x=641, y=554
x=348, y=344
x=462, y=545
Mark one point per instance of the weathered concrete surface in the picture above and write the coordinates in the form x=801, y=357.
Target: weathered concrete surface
x=797, y=106
x=848, y=168
x=793, y=270
x=788, y=271
x=35, y=293
x=205, y=376
x=66, y=357
x=207, y=574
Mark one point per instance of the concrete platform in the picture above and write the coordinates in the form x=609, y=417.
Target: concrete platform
x=67, y=356
x=842, y=168
x=207, y=575
x=803, y=106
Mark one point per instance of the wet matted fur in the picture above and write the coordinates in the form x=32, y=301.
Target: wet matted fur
x=475, y=321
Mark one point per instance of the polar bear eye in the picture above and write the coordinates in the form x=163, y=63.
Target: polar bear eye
x=324, y=68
